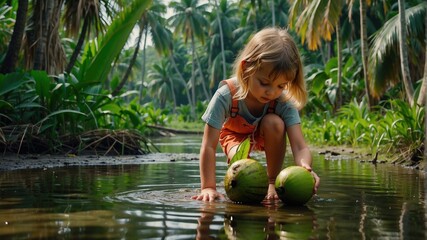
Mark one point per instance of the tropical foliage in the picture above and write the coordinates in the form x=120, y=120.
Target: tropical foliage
x=112, y=66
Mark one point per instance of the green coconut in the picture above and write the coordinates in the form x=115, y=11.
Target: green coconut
x=246, y=181
x=245, y=227
x=294, y=185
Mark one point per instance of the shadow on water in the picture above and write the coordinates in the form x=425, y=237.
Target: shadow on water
x=153, y=201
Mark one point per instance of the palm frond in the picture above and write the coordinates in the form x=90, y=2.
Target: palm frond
x=113, y=41
x=384, y=51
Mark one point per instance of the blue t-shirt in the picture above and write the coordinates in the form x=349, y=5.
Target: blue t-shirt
x=218, y=110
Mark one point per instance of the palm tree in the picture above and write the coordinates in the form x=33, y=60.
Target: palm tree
x=221, y=35
x=272, y=13
x=404, y=54
x=316, y=20
x=88, y=11
x=12, y=54
x=152, y=22
x=364, y=48
x=226, y=18
x=161, y=37
x=43, y=48
x=423, y=93
x=249, y=13
x=280, y=13
x=129, y=67
x=161, y=84
x=108, y=47
x=255, y=15
x=176, y=49
x=189, y=20
x=423, y=90
x=273, y=18
x=385, y=67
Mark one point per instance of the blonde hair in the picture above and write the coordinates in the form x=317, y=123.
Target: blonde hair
x=274, y=46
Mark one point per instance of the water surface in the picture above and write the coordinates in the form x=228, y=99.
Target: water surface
x=152, y=201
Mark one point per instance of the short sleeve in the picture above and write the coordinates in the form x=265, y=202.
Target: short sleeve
x=218, y=108
x=288, y=113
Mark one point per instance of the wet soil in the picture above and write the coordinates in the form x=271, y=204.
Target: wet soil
x=30, y=161
x=14, y=162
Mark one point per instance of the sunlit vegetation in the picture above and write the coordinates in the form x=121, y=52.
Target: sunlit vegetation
x=394, y=130
x=121, y=67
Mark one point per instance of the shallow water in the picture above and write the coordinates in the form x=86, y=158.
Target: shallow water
x=152, y=201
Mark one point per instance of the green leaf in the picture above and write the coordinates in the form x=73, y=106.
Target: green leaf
x=42, y=85
x=242, y=150
x=318, y=82
x=60, y=112
x=114, y=82
x=29, y=105
x=113, y=41
x=133, y=116
x=11, y=82
x=331, y=65
x=111, y=107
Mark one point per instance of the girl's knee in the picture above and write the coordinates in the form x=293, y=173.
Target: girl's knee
x=272, y=122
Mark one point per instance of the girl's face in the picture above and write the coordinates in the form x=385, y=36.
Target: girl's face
x=264, y=89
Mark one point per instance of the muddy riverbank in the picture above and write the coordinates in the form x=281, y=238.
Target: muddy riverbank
x=30, y=161
x=15, y=162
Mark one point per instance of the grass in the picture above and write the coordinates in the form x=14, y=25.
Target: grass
x=190, y=126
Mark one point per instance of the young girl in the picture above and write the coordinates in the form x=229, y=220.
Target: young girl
x=262, y=103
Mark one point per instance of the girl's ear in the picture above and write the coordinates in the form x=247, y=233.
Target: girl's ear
x=243, y=64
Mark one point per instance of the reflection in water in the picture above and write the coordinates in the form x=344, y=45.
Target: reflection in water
x=178, y=144
x=152, y=201
x=38, y=223
x=268, y=221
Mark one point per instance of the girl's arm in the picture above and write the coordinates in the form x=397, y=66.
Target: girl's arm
x=300, y=150
x=302, y=155
x=208, y=165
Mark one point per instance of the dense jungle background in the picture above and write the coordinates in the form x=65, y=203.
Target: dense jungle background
x=101, y=76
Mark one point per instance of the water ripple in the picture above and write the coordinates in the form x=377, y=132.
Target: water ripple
x=168, y=194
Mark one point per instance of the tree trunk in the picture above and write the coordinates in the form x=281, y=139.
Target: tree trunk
x=425, y=99
x=193, y=81
x=364, y=46
x=273, y=14
x=9, y=62
x=202, y=78
x=131, y=64
x=182, y=80
x=44, y=49
x=221, y=35
x=79, y=45
x=41, y=28
x=195, y=57
x=144, y=63
x=404, y=65
x=338, y=99
x=423, y=91
x=173, y=94
x=56, y=55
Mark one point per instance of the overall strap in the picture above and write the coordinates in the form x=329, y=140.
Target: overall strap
x=234, y=103
x=234, y=110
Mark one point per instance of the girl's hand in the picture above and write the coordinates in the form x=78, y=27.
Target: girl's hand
x=316, y=182
x=316, y=178
x=208, y=195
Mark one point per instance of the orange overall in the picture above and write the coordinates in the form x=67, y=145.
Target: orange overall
x=236, y=129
